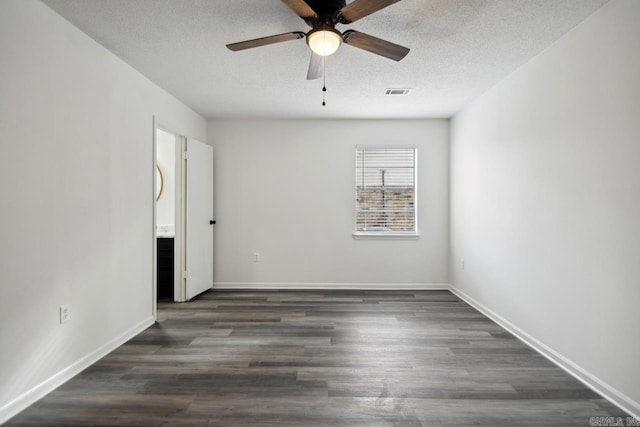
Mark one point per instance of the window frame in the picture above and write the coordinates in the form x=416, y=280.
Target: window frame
x=414, y=234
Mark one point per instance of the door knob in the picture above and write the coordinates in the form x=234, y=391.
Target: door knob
x=212, y=222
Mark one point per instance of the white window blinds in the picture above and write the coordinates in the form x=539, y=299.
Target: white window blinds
x=385, y=190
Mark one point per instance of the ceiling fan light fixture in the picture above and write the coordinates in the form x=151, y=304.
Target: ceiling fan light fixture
x=324, y=42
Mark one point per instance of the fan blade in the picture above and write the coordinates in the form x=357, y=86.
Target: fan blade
x=375, y=45
x=361, y=8
x=248, y=44
x=315, y=67
x=301, y=8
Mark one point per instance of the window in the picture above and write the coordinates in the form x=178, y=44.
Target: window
x=385, y=191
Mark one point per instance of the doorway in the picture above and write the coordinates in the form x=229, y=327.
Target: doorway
x=183, y=216
x=166, y=147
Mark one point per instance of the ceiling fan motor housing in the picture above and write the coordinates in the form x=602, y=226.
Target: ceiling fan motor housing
x=326, y=8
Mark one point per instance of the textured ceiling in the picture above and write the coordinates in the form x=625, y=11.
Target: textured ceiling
x=459, y=49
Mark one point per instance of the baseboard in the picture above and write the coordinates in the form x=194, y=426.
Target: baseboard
x=610, y=393
x=333, y=286
x=31, y=396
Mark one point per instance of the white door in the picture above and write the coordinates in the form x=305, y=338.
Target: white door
x=199, y=218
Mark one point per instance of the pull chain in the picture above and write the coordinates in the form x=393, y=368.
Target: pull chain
x=324, y=81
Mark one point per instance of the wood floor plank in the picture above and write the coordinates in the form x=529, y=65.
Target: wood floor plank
x=321, y=358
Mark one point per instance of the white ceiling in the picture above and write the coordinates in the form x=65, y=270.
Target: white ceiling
x=459, y=49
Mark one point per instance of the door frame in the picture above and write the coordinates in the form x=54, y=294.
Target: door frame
x=180, y=233
x=179, y=251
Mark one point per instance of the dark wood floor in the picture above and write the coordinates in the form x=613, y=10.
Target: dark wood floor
x=334, y=358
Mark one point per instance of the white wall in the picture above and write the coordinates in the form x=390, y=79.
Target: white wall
x=545, y=201
x=76, y=173
x=285, y=189
x=166, y=160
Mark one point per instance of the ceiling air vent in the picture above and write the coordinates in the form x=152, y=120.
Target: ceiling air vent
x=397, y=91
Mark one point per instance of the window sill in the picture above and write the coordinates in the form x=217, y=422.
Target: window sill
x=384, y=236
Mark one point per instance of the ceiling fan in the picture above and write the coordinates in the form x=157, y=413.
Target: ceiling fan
x=323, y=38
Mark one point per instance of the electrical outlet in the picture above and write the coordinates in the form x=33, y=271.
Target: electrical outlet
x=256, y=257
x=65, y=313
